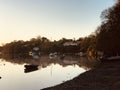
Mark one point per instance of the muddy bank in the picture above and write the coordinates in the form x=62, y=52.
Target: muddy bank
x=105, y=77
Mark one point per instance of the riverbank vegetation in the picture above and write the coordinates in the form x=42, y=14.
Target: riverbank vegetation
x=105, y=39
x=109, y=31
x=69, y=46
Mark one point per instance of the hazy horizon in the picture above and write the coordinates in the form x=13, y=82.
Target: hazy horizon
x=56, y=19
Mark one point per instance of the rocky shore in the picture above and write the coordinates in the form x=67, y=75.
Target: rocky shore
x=105, y=77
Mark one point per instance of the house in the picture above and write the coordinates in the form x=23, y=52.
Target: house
x=71, y=43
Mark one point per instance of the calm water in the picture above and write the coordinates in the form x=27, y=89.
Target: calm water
x=32, y=74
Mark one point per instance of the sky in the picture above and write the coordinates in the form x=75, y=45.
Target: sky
x=54, y=19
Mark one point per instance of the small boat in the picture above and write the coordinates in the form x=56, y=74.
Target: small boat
x=113, y=57
x=110, y=58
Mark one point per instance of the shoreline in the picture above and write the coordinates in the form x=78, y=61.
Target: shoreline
x=104, y=77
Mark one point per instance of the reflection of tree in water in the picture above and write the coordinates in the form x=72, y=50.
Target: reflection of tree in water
x=88, y=63
x=44, y=61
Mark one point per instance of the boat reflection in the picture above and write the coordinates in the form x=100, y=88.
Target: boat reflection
x=30, y=68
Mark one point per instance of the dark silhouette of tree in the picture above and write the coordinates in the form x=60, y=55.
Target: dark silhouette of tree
x=0, y=48
x=109, y=31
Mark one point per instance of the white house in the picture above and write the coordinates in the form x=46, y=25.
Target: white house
x=70, y=43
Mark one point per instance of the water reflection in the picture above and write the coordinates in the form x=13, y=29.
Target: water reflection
x=44, y=61
x=32, y=74
x=30, y=68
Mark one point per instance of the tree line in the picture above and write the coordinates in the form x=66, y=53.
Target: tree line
x=22, y=48
x=108, y=33
x=105, y=39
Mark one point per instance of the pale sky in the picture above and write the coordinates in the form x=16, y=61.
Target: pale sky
x=25, y=19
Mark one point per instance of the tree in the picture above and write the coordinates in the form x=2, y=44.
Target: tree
x=88, y=43
x=109, y=31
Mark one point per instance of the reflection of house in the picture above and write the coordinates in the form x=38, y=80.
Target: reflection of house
x=70, y=62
